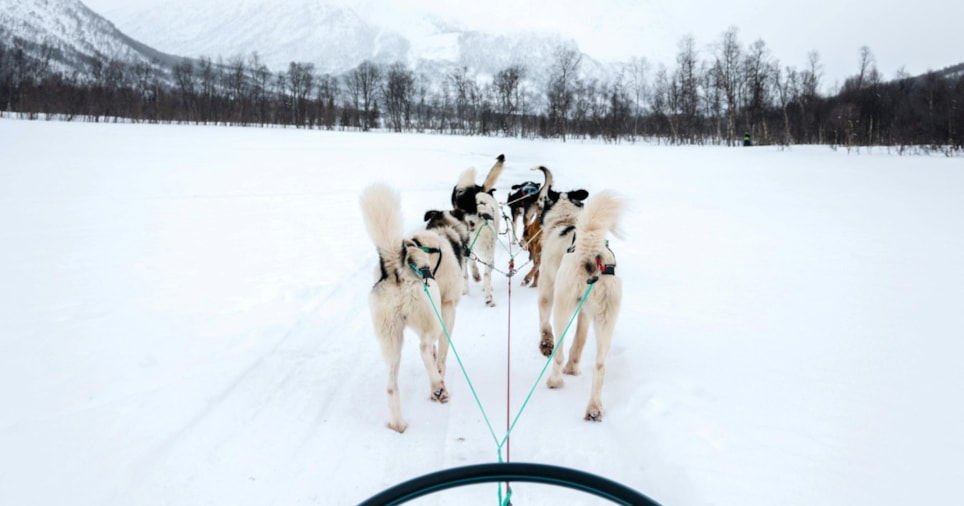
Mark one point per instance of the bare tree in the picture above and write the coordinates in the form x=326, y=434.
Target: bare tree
x=562, y=83
x=637, y=72
x=727, y=76
x=300, y=84
x=665, y=103
x=327, y=95
x=236, y=87
x=462, y=88
x=788, y=91
x=758, y=69
x=260, y=83
x=398, y=92
x=686, y=82
x=506, y=83
x=867, y=66
x=809, y=81
x=363, y=83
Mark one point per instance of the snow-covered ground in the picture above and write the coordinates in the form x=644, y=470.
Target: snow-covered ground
x=184, y=320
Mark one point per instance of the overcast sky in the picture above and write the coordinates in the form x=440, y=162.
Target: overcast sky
x=916, y=36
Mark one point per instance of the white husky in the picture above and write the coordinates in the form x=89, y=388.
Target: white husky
x=589, y=262
x=559, y=215
x=416, y=275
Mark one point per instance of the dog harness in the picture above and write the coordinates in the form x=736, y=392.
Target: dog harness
x=604, y=269
x=424, y=272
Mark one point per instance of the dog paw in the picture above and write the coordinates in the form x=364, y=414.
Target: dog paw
x=554, y=382
x=546, y=346
x=594, y=412
x=593, y=415
x=477, y=277
x=441, y=395
x=525, y=282
x=489, y=302
x=398, y=426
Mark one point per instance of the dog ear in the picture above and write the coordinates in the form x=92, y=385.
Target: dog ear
x=578, y=195
x=517, y=186
x=430, y=215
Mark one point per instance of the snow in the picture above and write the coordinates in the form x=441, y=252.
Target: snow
x=184, y=321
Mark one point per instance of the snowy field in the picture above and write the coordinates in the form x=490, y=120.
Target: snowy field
x=184, y=321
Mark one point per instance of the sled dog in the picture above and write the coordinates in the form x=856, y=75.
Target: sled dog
x=589, y=262
x=523, y=204
x=416, y=274
x=481, y=211
x=559, y=214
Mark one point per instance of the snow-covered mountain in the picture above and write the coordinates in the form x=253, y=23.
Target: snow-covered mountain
x=71, y=36
x=334, y=36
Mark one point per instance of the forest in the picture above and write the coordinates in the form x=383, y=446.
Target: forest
x=713, y=96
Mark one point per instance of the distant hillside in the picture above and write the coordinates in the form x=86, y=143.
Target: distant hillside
x=70, y=38
x=335, y=37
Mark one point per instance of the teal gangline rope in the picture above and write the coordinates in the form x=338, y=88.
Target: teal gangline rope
x=477, y=234
x=549, y=361
x=503, y=501
x=461, y=366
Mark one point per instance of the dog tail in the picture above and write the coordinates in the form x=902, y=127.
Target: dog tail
x=600, y=217
x=466, y=178
x=544, y=189
x=382, y=210
x=494, y=173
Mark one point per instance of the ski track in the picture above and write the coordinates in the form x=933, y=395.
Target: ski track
x=274, y=383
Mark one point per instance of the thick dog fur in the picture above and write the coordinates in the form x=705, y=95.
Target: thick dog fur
x=589, y=260
x=408, y=265
x=481, y=211
x=532, y=242
x=560, y=211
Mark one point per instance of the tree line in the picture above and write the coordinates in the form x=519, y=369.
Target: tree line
x=713, y=96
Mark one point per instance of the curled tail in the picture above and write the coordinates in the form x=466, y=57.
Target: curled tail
x=382, y=211
x=600, y=217
x=544, y=189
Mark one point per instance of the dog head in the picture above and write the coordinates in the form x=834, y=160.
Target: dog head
x=570, y=200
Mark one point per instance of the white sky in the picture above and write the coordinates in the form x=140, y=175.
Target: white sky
x=918, y=36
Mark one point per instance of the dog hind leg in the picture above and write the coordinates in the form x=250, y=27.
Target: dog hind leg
x=448, y=316
x=427, y=348
x=391, y=343
x=487, y=287
x=546, y=338
x=604, y=334
x=562, y=312
x=578, y=343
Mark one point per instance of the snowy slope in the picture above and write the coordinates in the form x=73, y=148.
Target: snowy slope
x=335, y=36
x=184, y=315
x=76, y=34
